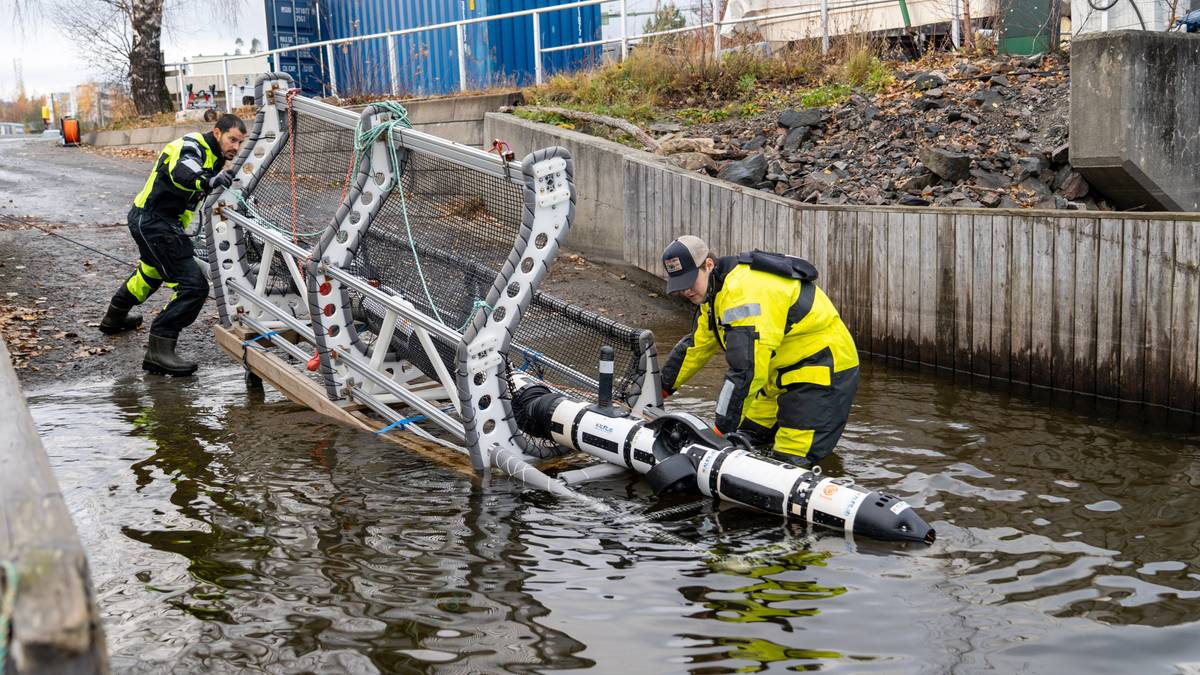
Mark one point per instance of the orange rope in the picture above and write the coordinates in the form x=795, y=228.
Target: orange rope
x=291, y=93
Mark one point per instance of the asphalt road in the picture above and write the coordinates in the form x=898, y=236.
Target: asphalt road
x=69, y=186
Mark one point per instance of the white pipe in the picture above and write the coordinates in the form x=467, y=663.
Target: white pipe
x=824, y=26
x=624, y=31
x=716, y=26
x=228, y=94
x=461, y=32
x=537, y=48
x=264, y=267
x=333, y=90
x=955, y=29
x=436, y=359
x=393, y=65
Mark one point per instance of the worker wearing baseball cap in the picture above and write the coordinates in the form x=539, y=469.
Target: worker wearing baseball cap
x=793, y=366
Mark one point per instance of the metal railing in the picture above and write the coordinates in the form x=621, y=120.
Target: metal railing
x=624, y=39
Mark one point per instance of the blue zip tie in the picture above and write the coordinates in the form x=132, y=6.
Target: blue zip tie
x=250, y=342
x=531, y=358
x=401, y=423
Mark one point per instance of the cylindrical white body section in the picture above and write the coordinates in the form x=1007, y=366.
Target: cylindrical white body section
x=562, y=422
x=835, y=504
x=754, y=481
x=612, y=439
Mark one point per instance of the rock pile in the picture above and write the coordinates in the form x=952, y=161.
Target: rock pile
x=984, y=133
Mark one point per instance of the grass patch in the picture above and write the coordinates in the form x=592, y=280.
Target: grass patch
x=824, y=95
x=682, y=79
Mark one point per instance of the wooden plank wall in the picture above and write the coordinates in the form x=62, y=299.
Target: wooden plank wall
x=1098, y=304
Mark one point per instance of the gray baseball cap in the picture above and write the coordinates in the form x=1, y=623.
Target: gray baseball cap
x=682, y=260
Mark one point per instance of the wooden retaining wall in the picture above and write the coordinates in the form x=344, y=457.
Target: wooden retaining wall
x=1106, y=304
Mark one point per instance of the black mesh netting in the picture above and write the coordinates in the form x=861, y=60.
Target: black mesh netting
x=463, y=226
x=316, y=165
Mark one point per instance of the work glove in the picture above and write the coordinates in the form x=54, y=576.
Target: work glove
x=221, y=179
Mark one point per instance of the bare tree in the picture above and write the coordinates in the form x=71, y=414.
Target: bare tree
x=146, y=82
x=103, y=29
x=123, y=39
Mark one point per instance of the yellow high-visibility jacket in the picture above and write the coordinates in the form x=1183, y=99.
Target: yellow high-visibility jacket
x=177, y=183
x=768, y=315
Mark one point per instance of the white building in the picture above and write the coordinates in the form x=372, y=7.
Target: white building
x=1098, y=16
x=203, y=72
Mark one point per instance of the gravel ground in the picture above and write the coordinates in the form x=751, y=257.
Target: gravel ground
x=53, y=292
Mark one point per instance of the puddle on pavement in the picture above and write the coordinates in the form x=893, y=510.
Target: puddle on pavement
x=230, y=532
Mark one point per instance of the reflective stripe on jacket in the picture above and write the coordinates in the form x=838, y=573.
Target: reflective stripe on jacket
x=769, y=326
x=178, y=181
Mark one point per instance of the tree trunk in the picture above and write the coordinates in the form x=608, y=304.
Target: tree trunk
x=968, y=32
x=147, y=81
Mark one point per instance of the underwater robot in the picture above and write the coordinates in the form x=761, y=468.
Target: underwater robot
x=679, y=452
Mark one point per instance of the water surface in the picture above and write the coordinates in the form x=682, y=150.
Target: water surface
x=234, y=532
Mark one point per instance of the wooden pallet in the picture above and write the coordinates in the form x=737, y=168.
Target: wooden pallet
x=303, y=391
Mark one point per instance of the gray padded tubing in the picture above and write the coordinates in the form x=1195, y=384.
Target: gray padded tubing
x=512, y=320
x=243, y=154
x=328, y=238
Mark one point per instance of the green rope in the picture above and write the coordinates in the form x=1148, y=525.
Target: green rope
x=7, y=602
x=475, y=307
x=363, y=139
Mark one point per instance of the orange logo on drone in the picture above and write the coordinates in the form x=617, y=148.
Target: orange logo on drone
x=829, y=490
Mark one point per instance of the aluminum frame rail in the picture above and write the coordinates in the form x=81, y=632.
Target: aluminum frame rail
x=470, y=403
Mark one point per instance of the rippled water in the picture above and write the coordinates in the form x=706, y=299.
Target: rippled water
x=229, y=534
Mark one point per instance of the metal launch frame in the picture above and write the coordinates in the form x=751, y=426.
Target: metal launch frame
x=402, y=292
x=314, y=293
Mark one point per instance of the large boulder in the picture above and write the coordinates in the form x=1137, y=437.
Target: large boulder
x=692, y=161
x=930, y=80
x=948, y=164
x=675, y=146
x=749, y=172
x=790, y=119
x=794, y=139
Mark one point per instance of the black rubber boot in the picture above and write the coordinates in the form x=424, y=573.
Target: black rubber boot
x=117, y=320
x=161, y=358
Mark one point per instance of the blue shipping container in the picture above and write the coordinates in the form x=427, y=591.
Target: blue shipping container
x=496, y=52
x=293, y=22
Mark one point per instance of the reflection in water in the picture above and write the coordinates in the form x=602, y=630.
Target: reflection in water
x=229, y=533
x=294, y=541
x=768, y=597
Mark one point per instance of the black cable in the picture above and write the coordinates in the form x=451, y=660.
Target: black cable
x=1093, y=5
x=79, y=243
x=1136, y=11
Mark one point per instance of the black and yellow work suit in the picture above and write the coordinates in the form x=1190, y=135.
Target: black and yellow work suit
x=793, y=366
x=157, y=221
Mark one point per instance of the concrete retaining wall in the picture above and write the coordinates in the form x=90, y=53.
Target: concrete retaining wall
x=1105, y=304
x=1135, y=117
x=55, y=625
x=457, y=118
x=599, y=227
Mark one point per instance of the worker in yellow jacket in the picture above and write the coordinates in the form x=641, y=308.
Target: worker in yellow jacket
x=793, y=366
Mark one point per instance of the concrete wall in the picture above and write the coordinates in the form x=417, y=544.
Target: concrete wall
x=55, y=624
x=149, y=138
x=1135, y=120
x=599, y=228
x=1098, y=303
x=457, y=118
